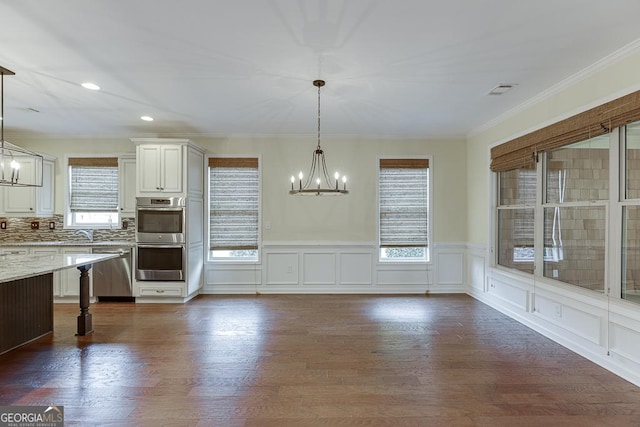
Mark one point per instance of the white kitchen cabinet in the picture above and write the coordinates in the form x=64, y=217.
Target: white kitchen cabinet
x=56, y=275
x=8, y=250
x=70, y=277
x=160, y=169
x=31, y=201
x=127, y=186
x=169, y=167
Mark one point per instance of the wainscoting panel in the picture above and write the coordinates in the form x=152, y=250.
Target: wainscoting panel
x=329, y=267
x=446, y=275
x=393, y=275
x=232, y=275
x=601, y=328
x=584, y=324
x=476, y=269
x=318, y=268
x=512, y=295
x=356, y=268
x=281, y=268
x=625, y=342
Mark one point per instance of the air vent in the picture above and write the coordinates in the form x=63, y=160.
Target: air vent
x=501, y=88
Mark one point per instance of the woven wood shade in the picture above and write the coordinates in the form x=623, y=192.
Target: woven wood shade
x=233, y=162
x=94, y=161
x=521, y=152
x=404, y=163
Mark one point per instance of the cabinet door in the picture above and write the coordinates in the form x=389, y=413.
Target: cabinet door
x=44, y=194
x=70, y=277
x=171, y=172
x=148, y=168
x=128, y=186
x=22, y=199
x=39, y=251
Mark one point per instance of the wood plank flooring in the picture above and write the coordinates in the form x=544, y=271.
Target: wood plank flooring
x=312, y=360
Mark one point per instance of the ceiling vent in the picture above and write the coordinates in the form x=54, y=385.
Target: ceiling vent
x=501, y=88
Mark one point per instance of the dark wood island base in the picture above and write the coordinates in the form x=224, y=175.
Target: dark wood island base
x=85, y=320
x=26, y=310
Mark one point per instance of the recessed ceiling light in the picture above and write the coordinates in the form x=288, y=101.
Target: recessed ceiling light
x=90, y=86
x=147, y=118
x=501, y=88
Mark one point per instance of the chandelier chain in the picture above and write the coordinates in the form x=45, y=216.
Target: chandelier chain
x=319, y=86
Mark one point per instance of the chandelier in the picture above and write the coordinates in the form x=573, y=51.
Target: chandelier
x=318, y=182
x=14, y=158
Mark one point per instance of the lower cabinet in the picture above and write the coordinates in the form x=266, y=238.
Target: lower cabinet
x=158, y=290
x=47, y=251
x=66, y=283
x=70, y=277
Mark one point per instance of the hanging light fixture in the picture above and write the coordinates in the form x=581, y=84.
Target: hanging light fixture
x=14, y=158
x=318, y=177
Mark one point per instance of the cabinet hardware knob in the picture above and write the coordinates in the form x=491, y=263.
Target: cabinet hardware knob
x=160, y=291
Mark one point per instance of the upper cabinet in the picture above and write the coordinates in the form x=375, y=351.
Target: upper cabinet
x=163, y=166
x=159, y=168
x=31, y=201
x=127, y=185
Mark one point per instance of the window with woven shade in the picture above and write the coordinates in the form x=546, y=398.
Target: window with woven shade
x=93, y=191
x=234, y=206
x=403, y=195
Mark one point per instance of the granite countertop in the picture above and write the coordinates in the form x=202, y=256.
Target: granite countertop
x=121, y=243
x=15, y=267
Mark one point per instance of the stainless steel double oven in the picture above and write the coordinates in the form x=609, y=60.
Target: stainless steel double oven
x=160, y=238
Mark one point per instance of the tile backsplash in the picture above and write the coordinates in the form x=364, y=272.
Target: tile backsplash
x=19, y=230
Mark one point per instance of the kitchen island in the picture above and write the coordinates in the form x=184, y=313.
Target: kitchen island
x=26, y=295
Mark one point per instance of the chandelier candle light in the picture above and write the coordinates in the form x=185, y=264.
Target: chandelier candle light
x=318, y=172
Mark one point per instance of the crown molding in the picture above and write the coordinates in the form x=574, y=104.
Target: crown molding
x=617, y=56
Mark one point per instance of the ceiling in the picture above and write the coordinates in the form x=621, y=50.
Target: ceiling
x=221, y=68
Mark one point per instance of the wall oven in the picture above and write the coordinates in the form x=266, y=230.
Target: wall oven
x=160, y=238
x=160, y=262
x=160, y=220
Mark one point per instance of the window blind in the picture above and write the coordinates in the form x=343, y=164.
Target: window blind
x=521, y=152
x=94, y=184
x=404, y=202
x=234, y=203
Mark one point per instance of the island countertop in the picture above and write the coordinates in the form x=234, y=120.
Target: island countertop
x=101, y=243
x=15, y=267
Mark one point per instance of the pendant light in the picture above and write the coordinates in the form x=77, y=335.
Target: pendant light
x=14, y=158
x=318, y=182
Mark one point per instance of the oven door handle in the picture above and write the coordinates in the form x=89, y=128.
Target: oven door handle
x=151, y=246
x=156, y=209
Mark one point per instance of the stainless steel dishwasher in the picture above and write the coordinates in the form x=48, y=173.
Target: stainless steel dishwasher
x=112, y=278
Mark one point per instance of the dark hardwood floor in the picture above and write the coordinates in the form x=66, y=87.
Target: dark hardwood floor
x=312, y=360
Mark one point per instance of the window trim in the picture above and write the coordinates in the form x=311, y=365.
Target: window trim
x=613, y=205
x=207, y=226
x=429, y=249
x=86, y=159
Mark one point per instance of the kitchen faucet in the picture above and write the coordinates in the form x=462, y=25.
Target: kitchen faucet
x=87, y=233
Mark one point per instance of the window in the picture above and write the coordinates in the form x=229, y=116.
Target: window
x=631, y=215
x=403, y=194
x=93, y=192
x=234, y=205
x=577, y=192
x=587, y=220
x=516, y=209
